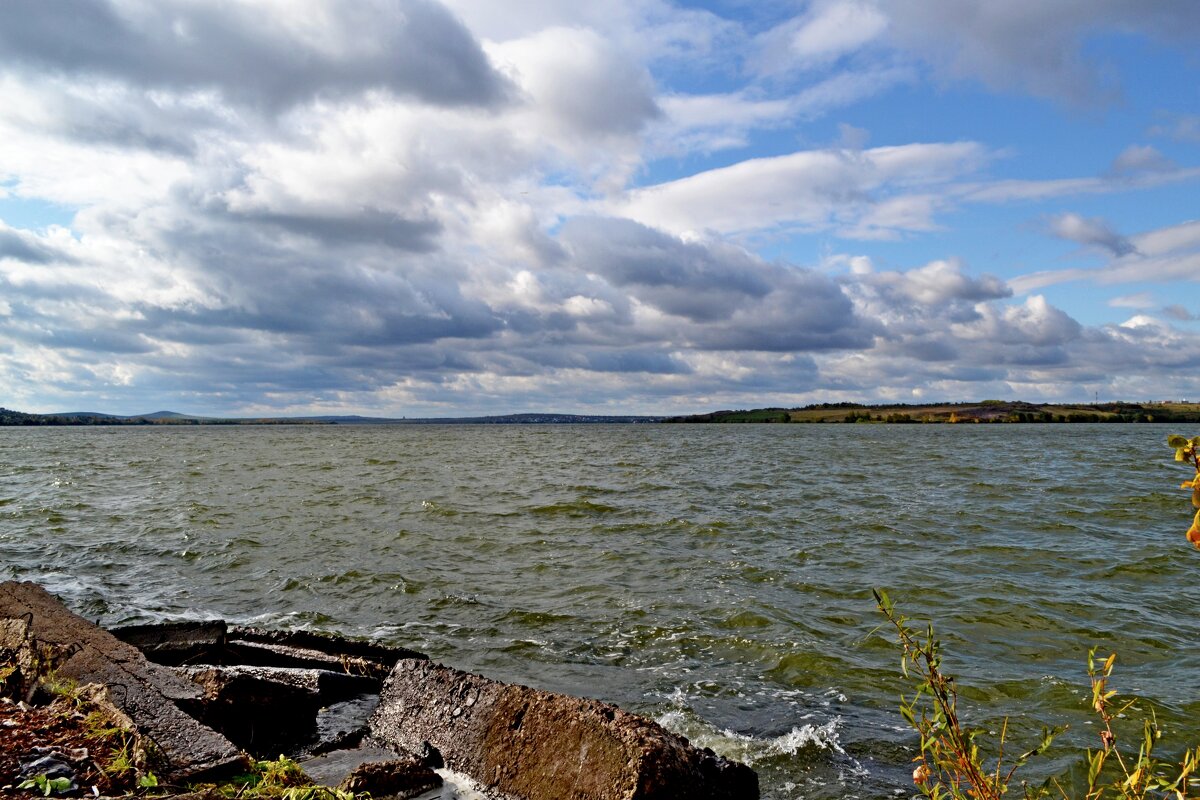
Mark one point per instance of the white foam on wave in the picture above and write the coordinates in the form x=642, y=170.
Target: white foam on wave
x=751, y=749
x=456, y=787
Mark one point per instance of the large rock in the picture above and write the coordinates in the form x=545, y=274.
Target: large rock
x=399, y=778
x=534, y=745
x=152, y=696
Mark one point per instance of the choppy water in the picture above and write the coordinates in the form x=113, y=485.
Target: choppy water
x=716, y=578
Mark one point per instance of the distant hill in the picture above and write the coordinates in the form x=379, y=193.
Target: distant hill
x=10, y=418
x=505, y=419
x=986, y=411
x=81, y=415
x=167, y=415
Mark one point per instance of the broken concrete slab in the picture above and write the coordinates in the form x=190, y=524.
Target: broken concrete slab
x=237, y=682
x=218, y=643
x=516, y=742
x=268, y=710
x=176, y=643
x=534, y=745
x=152, y=696
x=261, y=647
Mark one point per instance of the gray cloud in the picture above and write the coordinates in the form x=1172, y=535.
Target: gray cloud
x=691, y=280
x=1137, y=159
x=1178, y=312
x=1093, y=232
x=1032, y=45
x=364, y=226
x=25, y=247
x=1181, y=127
x=412, y=47
x=727, y=298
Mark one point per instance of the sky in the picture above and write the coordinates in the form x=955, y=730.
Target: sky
x=453, y=207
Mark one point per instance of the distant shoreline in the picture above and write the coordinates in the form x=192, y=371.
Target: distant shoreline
x=986, y=411
x=9, y=418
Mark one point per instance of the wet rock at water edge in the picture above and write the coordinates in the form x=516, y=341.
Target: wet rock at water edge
x=202, y=690
x=534, y=745
x=401, y=778
x=151, y=696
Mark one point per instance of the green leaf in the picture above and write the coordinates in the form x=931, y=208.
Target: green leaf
x=1177, y=441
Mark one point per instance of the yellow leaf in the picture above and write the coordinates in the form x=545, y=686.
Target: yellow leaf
x=1187, y=484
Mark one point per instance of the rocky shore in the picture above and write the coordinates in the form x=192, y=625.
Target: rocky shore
x=199, y=709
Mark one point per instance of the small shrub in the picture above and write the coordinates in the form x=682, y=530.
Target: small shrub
x=1186, y=452
x=955, y=762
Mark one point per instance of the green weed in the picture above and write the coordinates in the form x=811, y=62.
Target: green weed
x=281, y=779
x=46, y=786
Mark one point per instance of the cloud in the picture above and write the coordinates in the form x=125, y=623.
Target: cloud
x=1178, y=312
x=1141, y=158
x=700, y=282
x=26, y=247
x=374, y=206
x=815, y=189
x=365, y=226
x=272, y=57
x=938, y=283
x=1093, y=232
x=1137, y=300
x=826, y=31
x=1180, y=127
x=1162, y=255
x=708, y=123
x=584, y=83
x=1029, y=45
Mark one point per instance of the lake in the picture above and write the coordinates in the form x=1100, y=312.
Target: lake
x=715, y=577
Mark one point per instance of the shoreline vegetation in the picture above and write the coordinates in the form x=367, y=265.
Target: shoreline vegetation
x=986, y=411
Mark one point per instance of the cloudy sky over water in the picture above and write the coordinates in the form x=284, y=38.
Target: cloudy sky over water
x=429, y=208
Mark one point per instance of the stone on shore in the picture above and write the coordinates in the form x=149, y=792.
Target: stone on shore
x=402, y=778
x=535, y=745
x=47, y=636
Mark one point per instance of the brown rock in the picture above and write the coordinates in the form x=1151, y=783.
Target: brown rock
x=18, y=659
x=535, y=745
x=402, y=778
x=150, y=695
